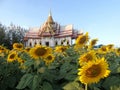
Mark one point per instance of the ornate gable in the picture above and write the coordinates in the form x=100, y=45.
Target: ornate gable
x=49, y=28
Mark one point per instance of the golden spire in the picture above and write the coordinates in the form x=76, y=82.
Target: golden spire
x=50, y=14
x=50, y=19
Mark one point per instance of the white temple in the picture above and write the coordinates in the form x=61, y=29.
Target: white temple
x=51, y=34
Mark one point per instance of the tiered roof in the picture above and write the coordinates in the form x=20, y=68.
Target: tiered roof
x=51, y=29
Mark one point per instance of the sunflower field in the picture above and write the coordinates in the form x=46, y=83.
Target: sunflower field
x=76, y=67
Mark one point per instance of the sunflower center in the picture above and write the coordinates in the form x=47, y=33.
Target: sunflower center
x=49, y=57
x=93, y=71
x=27, y=49
x=88, y=57
x=110, y=46
x=19, y=46
x=12, y=56
x=118, y=50
x=40, y=51
x=82, y=39
x=63, y=49
x=93, y=42
x=104, y=49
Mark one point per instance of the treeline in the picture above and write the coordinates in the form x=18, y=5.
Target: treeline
x=11, y=34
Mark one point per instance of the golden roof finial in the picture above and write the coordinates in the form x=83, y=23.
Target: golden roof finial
x=50, y=14
x=50, y=19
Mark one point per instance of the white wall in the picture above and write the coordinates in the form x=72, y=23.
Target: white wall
x=50, y=40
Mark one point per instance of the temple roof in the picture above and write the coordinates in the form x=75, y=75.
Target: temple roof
x=51, y=28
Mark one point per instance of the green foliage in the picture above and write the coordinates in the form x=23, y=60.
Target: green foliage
x=59, y=75
x=2, y=34
x=8, y=36
x=47, y=86
x=111, y=81
x=25, y=81
x=115, y=87
x=62, y=73
x=73, y=86
x=10, y=75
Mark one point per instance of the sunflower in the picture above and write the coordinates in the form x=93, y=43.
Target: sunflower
x=2, y=55
x=93, y=42
x=27, y=49
x=82, y=40
x=12, y=56
x=20, y=60
x=103, y=50
x=50, y=58
x=40, y=51
x=85, y=58
x=92, y=72
x=3, y=50
x=61, y=49
x=110, y=47
x=117, y=51
x=18, y=46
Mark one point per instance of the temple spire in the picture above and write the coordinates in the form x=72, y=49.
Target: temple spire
x=50, y=14
x=50, y=19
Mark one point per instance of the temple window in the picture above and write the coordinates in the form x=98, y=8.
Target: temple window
x=56, y=43
x=40, y=43
x=61, y=42
x=30, y=44
x=47, y=43
x=35, y=44
x=67, y=42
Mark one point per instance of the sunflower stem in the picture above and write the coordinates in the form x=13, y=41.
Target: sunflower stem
x=85, y=86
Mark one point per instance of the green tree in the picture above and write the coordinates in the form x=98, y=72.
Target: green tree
x=10, y=35
x=2, y=34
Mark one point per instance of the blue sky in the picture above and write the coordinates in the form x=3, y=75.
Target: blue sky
x=101, y=18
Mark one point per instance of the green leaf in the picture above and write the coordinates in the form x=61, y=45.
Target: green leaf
x=29, y=63
x=115, y=87
x=47, y=86
x=65, y=67
x=25, y=81
x=111, y=81
x=49, y=76
x=95, y=88
x=70, y=77
x=113, y=66
x=35, y=82
x=118, y=69
x=73, y=86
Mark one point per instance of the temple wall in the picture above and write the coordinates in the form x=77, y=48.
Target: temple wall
x=49, y=41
